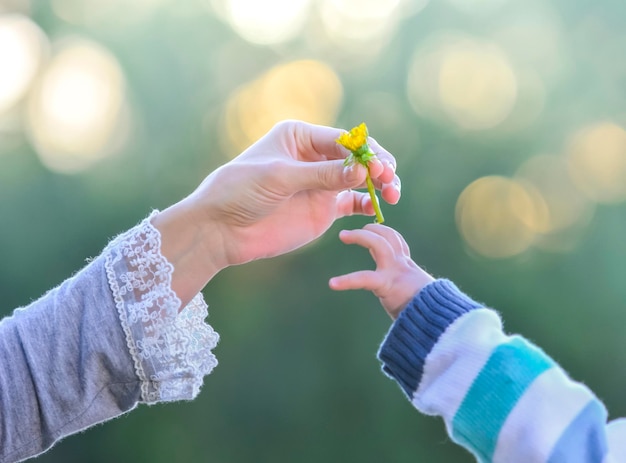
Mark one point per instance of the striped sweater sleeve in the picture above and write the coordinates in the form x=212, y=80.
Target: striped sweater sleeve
x=501, y=397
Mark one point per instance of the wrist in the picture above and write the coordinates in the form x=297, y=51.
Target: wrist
x=412, y=283
x=418, y=328
x=191, y=244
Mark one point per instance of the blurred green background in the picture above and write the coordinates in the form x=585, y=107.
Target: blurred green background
x=506, y=119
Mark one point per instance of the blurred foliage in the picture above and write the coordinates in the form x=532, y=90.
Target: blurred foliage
x=458, y=90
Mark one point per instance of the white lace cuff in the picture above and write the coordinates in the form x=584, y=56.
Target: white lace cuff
x=171, y=350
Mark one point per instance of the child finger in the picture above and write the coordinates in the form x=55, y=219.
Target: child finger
x=381, y=250
x=405, y=247
x=393, y=238
x=401, y=243
x=363, y=279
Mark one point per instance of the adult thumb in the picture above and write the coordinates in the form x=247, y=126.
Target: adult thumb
x=325, y=175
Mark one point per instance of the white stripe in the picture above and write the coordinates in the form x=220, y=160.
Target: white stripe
x=455, y=361
x=540, y=417
x=616, y=435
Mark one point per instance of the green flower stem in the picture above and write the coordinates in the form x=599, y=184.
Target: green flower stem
x=374, y=198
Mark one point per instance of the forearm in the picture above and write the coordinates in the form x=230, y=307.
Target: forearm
x=501, y=397
x=106, y=339
x=64, y=365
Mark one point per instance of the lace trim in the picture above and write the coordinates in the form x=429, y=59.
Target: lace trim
x=171, y=351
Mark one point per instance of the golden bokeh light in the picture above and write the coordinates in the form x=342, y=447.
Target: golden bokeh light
x=307, y=90
x=537, y=217
x=76, y=109
x=23, y=47
x=493, y=214
x=597, y=162
x=566, y=206
x=466, y=81
x=423, y=77
x=477, y=86
x=265, y=23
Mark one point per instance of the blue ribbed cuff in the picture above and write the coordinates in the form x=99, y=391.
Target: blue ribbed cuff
x=418, y=328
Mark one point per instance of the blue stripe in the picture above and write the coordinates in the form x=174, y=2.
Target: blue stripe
x=584, y=440
x=511, y=368
x=418, y=329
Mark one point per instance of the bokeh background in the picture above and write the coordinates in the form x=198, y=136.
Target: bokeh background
x=507, y=121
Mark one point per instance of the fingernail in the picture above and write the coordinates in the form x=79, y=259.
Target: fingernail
x=350, y=173
x=376, y=167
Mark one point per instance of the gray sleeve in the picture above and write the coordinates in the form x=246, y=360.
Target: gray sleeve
x=64, y=365
x=106, y=339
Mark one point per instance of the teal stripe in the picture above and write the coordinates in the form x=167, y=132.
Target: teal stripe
x=511, y=368
x=584, y=440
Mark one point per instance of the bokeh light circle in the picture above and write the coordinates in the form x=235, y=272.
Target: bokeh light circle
x=22, y=49
x=567, y=207
x=76, y=106
x=569, y=212
x=351, y=23
x=468, y=82
x=477, y=86
x=265, y=23
x=597, y=162
x=493, y=214
x=308, y=90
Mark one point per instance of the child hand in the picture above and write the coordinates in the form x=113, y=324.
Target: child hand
x=397, y=277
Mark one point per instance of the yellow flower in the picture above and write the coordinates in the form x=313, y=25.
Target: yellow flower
x=355, y=139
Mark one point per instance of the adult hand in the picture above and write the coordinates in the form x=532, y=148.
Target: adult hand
x=287, y=189
x=280, y=194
